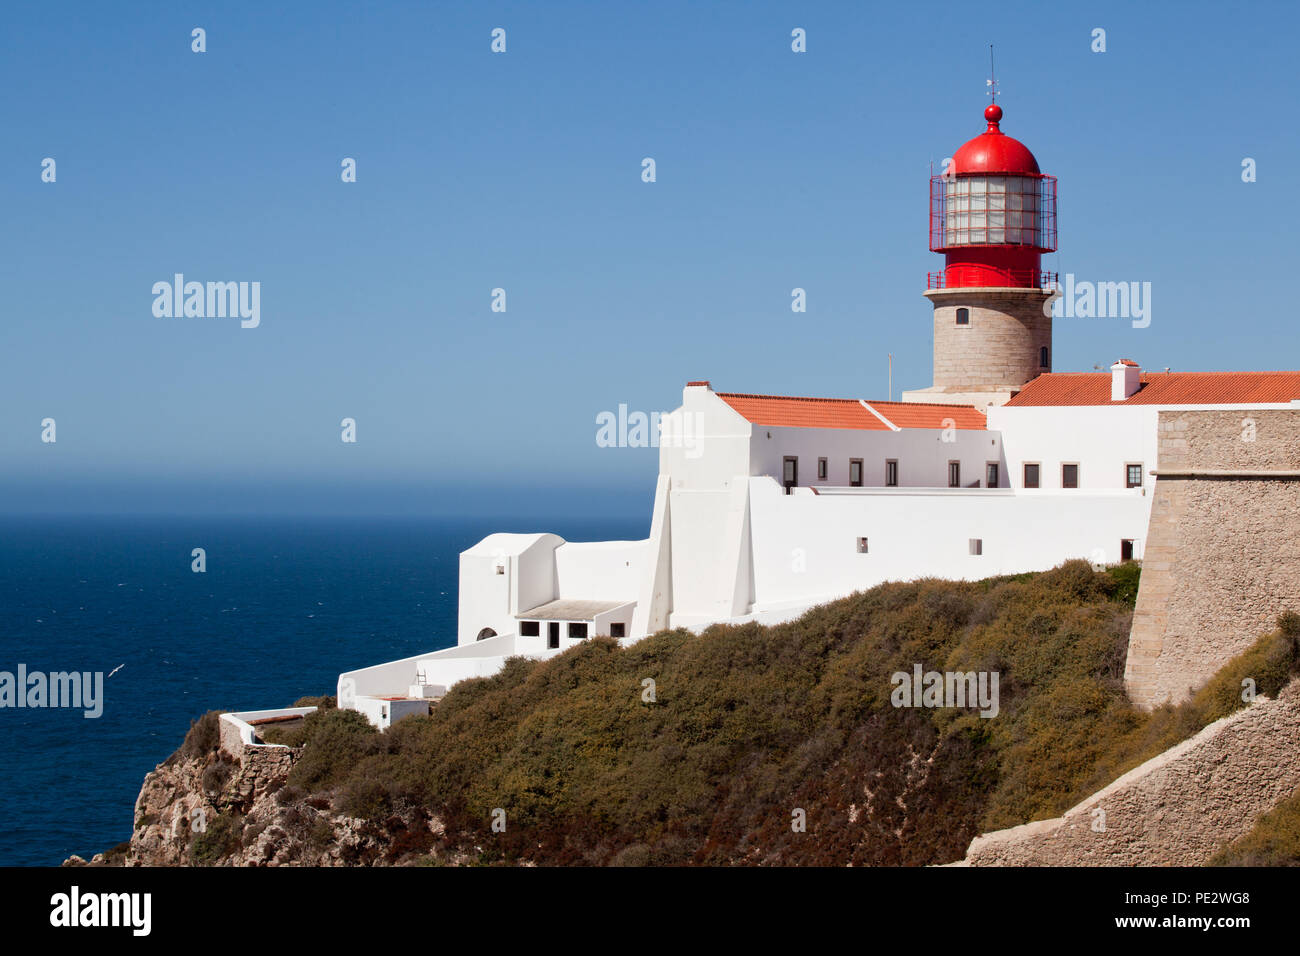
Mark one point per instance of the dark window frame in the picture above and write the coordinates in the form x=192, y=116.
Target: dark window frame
x=963, y=316
x=1038, y=474
x=954, y=473
x=891, y=472
x=858, y=462
x=823, y=469
x=1075, y=466
x=530, y=628
x=1128, y=474
x=789, y=484
x=992, y=474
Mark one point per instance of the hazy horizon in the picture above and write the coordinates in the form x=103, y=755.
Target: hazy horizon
x=522, y=171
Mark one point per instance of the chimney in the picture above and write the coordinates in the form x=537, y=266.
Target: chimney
x=1125, y=379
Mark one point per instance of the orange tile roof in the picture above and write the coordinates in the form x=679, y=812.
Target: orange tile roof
x=1162, y=388
x=787, y=411
x=930, y=415
x=794, y=412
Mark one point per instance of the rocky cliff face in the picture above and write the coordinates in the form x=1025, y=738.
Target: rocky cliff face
x=208, y=807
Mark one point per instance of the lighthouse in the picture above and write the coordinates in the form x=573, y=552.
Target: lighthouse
x=992, y=216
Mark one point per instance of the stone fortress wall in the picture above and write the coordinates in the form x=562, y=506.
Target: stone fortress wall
x=1177, y=809
x=1222, y=556
x=1222, y=561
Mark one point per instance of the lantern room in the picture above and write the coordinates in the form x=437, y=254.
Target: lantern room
x=993, y=214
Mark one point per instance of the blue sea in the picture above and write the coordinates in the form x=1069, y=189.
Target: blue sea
x=284, y=606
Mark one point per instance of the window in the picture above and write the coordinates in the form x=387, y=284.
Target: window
x=954, y=474
x=991, y=474
x=1031, y=475
x=1126, y=549
x=553, y=634
x=1069, y=476
x=1042, y=358
x=862, y=545
x=790, y=473
x=821, y=469
x=1133, y=476
x=976, y=545
x=618, y=629
x=501, y=569
x=855, y=472
x=891, y=473
x=963, y=316
x=993, y=209
x=530, y=628
x=484, y=634
x=578, y=629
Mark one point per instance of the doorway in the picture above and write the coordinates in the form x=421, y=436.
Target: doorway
x=790, y=474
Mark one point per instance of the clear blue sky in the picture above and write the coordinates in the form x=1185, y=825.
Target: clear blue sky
x=522, y=171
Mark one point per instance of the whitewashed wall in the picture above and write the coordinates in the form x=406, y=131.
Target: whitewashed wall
x=488, y=599
x=1102, y=440
x=805, y=546
x=922, y=454
x=705, y=443
x=599, y=570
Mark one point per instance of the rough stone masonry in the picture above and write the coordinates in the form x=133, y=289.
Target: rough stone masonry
x=1222, y=558
x=1178, y=808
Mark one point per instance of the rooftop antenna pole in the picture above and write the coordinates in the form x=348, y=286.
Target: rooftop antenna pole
x=992, y=83
x=891, y=376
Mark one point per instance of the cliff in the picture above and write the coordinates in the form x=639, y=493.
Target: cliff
x=783, y=745
x=208, y=806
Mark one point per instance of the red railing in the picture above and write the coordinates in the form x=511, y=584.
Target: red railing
x=1015, y=279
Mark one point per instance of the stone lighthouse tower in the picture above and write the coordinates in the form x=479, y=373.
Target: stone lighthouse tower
x=992, y=215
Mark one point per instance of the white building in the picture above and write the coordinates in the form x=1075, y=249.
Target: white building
x=767, y=505
x=775, y=504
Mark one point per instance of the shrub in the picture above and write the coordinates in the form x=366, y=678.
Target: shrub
x=1273, y=841
x=1288, y=622
x=334, y=741
x=215, y=776
x=365, y=797
x=324, y=702
x=752, y=721
x=1126, y=577
x=203, y=737
x=292, y=735
x=221, y=838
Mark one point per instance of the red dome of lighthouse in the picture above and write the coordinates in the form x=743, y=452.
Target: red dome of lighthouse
x=992, y=214
x=994, y=152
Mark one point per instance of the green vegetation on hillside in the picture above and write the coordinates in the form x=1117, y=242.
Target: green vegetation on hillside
x=1273, y=841
x=751, y=724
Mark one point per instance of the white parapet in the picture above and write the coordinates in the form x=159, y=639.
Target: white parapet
x=383, y=712
x=238, y=729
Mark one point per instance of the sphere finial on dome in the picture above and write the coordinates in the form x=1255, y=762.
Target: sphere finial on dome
x=993, y=113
